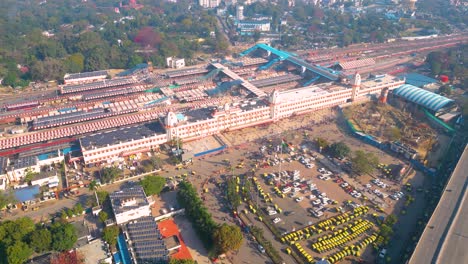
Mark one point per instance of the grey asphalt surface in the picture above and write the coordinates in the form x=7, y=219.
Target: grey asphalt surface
x=445, y=237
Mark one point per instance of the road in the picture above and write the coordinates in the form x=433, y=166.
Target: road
x=446, y=235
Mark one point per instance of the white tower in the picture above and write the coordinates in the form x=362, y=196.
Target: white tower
x=171, y=125
x=274, y=105
x=355, y=84
x=240, y=13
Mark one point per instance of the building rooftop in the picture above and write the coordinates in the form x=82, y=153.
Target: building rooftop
x=378, y=80
x=122, y=135
x=147, y=245
x=199, y=114
x=24, y=162
x=128, y=199
x=71, y=76
x=300, y=94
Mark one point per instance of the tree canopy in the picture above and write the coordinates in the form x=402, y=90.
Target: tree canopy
x=41, y=240
x=363, y=162
x=227, y=238
x=6, y=198
x=339, y=149
x=63, y=236
x=153, y=184
x=110, y=174
x=110, y=233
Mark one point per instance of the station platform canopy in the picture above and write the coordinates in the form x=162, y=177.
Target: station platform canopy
x=429, y=100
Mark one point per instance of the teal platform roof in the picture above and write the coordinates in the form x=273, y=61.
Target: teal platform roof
x=429, y=100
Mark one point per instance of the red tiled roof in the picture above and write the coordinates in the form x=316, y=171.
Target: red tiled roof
x=347, y=65
x=169, y=228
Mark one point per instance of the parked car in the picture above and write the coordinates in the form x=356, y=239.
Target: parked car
x=276, y=220
x=299, y=199
x=261, y=249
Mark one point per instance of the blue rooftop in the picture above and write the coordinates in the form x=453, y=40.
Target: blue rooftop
x=27, y=194
x=417, y=79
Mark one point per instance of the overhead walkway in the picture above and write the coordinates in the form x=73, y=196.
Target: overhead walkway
x=244, y=83
x=282, y=55
x=269, y=64
x=325, y=72
x=311, y=81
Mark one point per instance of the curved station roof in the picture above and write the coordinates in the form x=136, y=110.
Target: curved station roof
x=422, y=97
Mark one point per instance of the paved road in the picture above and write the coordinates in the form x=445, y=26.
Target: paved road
x=446, y=235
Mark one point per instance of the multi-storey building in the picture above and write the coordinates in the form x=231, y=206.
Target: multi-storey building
x=209, y=3
x=198, y=123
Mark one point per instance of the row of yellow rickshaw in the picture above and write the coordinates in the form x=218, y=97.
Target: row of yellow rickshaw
x=278, y=192
x=326, y=225
x=304, y=253
x=265, y=196
x=344, y=217
x=347, y=234
x=354, y=250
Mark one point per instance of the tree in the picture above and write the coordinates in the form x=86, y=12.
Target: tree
x=63, y=236
x=233, y=196
x=363, y=162
x=256, y=35
x=394, y=133
x=92, y=185
x=227, y=238
x=153, y=184
x=18, y=253
x=322, y=143
x=30, y=175
x=40, y=240
x=78, y=209
x=103, y=216
x=6, y=198
x=109, y=234
x=75, y=63
x=445, y=89
x=339, y=149
x=109, y=174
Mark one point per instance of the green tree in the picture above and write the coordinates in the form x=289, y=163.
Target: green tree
x=322, y=143
x=109, y=234
x=339, y=149
x=233, y=196
x=30, y=175
x=18, y=253
x=6, y=198
x=41, y=240
x=63, y=236
x=103, y=216
x=227, y=238
x=363, y=162
x=78, y=209
x=10, y=79
x=257, y=35
x=75, y=63
x=394, y=133
x=445, y=89
x=153, y=184
x=109, y=174
x=92, y=185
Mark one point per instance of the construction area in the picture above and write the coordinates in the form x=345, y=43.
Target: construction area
x=389, y=124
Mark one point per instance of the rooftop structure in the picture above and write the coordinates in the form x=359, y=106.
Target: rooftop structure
x=351, y=65
x=129, y=204
x=97, y=85
x=124, y=134
x=445, y=237
x=429, y=100
x=84, y=77
x=145, y=241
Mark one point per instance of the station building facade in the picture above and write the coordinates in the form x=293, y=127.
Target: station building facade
x=199, y=123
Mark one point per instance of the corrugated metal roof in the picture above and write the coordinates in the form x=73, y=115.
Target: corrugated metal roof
x=422, y=97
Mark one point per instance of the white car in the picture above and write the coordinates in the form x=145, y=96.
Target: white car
x=317, y=213
x=357, y=195
x=368, y=186
x=344, y=185
x=297, y=189
x=326, y=178
x=296, y=184
x=287, y=189
x=322, y=195
x=276, y=220
x=316, y=202
x=312, y=197
x=321, y=177
x=299, y=199
x=272, y=212
x=310, y=166
x=322, y=170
